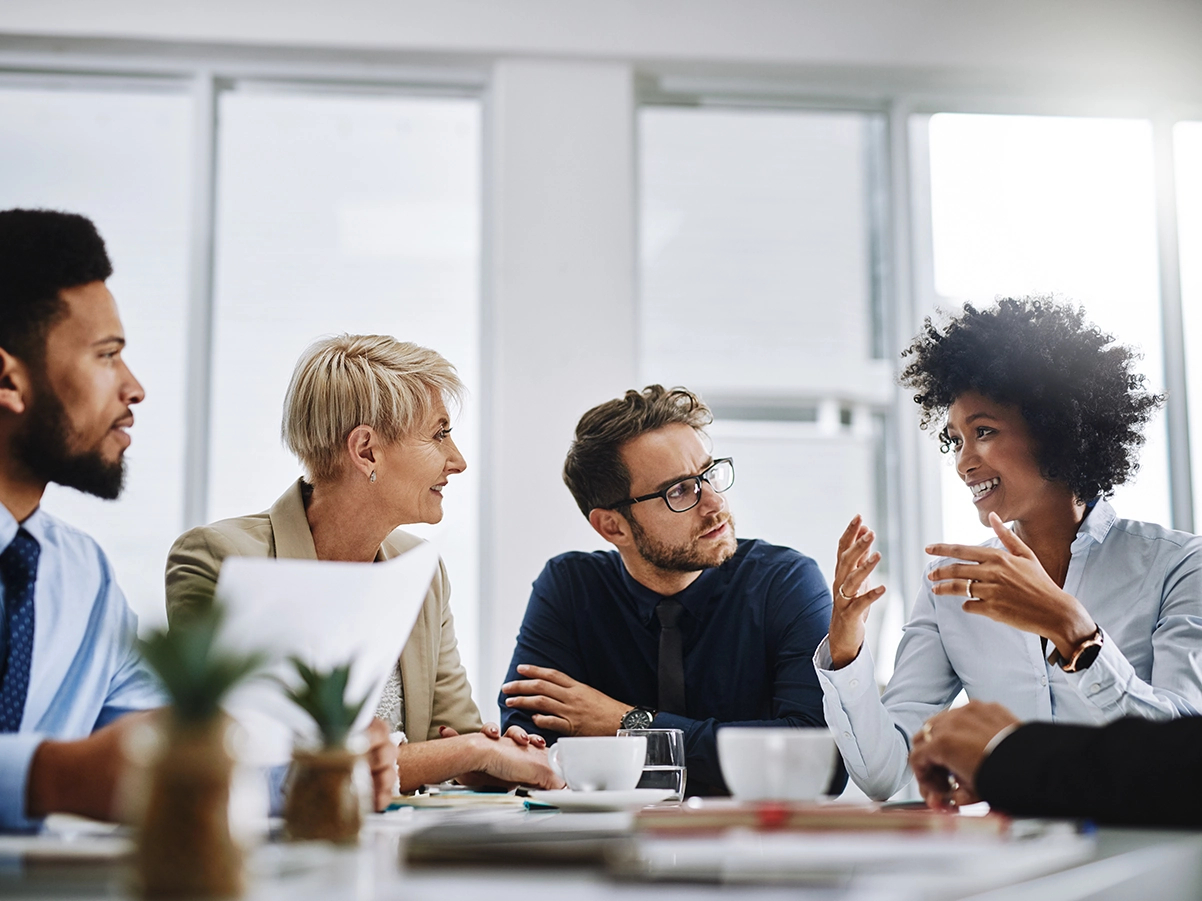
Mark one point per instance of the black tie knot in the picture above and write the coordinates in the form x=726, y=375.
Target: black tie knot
x=669, y=611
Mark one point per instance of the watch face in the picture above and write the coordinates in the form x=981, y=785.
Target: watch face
x=638, y=718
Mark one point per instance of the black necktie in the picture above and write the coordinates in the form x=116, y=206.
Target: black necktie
x=19, y=570
x=671, y=657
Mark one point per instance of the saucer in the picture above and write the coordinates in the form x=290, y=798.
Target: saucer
x=567, y=799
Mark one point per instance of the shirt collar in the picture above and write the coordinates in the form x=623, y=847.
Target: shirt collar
x=34, y=524
x=1096, y=525
x=646, y=600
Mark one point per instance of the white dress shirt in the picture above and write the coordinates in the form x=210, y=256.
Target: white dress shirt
x=1141, y=583
x=85, y=670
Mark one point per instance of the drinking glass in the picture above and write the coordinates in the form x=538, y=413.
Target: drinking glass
x=665, y=763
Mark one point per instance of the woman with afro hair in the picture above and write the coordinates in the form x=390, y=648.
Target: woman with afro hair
x=1072, y=614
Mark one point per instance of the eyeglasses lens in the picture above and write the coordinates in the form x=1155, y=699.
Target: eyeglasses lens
x=721, y=476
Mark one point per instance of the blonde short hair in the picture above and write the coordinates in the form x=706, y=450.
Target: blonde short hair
x=347, y=381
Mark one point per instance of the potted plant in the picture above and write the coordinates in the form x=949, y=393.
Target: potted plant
x=322, y=800
x=184, y=843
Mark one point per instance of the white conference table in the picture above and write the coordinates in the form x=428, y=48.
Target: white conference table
x=1059, y=866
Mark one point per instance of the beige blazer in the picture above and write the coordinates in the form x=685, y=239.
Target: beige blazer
x=435, y=684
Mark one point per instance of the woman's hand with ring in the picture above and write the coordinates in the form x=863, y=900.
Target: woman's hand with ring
x=1010, y=585
x=855, y=563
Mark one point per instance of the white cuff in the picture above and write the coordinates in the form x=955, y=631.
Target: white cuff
x=999, y=738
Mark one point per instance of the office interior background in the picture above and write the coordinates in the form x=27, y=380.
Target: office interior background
x=760, y=200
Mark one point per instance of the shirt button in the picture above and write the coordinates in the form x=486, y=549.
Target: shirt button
x=854, y=683
x=847, y=735
x=1095, y=688
x=1043, y=680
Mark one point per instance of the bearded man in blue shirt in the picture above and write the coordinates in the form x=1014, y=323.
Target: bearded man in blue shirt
x=681, y=626
x=68, y=667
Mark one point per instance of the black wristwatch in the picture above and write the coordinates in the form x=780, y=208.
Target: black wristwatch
x=638, y=718
x=1083, y=655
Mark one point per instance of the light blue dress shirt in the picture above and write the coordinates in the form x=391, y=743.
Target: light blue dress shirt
x=1142, y=584
x=85, y=671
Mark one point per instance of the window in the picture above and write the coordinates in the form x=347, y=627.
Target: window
x=339, y=214
x=1040, y=205
x=121, y=157
x=1188, y=153
x=760, y=289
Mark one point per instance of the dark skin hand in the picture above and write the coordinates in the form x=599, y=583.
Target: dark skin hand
x=855, y=562
x=1009, y=585
x=947, y=752
x=81, y=777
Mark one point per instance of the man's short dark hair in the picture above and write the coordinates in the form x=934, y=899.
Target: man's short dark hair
x=41, y=253
x=594, y=471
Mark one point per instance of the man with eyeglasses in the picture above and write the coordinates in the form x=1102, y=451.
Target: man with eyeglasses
x=681, y=626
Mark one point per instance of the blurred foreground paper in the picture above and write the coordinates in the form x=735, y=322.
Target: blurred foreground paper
x=325, y=613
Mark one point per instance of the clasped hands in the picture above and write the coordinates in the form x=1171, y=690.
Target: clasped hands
x=947, y=752
x=1006, y=584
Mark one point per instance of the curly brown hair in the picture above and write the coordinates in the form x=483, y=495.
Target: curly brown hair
x=1075, y=387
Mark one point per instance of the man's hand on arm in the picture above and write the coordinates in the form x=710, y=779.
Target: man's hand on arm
x=505, y=763
x=947, y=752
x=80, y=777
x=558, y=702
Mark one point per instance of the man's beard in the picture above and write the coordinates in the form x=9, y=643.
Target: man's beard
x=684, y=558
x=43, y=445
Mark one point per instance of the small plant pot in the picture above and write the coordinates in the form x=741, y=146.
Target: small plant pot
x=322, y=800
x=184, y=844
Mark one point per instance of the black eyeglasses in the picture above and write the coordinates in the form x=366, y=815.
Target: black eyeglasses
x=686, y=494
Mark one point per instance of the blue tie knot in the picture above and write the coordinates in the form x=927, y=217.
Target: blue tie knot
x=19, y=562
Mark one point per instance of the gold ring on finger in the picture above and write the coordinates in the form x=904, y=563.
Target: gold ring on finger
x=971, y=596
x=842, y=595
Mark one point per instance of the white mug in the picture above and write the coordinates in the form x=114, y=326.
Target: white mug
x=776, y=764
x=599, y=763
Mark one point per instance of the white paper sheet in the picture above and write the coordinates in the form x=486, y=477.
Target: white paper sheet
x=325, y=613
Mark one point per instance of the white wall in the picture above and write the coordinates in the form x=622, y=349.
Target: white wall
x=1129, y=44
x=559, y=291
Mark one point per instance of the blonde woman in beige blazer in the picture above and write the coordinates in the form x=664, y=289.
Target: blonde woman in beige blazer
x=366, y=415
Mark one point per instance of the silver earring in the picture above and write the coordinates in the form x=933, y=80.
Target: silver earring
x=372, y=477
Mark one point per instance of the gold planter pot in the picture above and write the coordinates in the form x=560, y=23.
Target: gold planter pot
x=184, y=844
x=322, y=800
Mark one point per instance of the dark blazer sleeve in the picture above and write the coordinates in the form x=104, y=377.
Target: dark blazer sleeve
x=1131, y=772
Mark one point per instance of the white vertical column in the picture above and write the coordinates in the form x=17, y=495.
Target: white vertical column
x=559, y=315
x=200, y=301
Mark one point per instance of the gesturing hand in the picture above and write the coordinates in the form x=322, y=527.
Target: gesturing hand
x=1011, y=586
x=850, y=610
x=560, y=703
x=947, y=752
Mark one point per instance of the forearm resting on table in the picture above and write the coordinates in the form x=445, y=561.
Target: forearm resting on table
x=431, y=762
x=80, y=776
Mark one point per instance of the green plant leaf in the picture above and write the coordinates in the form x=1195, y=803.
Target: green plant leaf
x=322, y=695
x=195, y=676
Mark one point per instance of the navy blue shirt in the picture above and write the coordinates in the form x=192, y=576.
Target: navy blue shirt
x=749, y=630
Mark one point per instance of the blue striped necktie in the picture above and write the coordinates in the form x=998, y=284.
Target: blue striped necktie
x=19, y=570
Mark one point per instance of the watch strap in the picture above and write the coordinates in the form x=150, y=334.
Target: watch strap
x=1083, y=655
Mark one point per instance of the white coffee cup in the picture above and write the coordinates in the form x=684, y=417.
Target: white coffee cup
x=599, y=763
x=776, y=764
